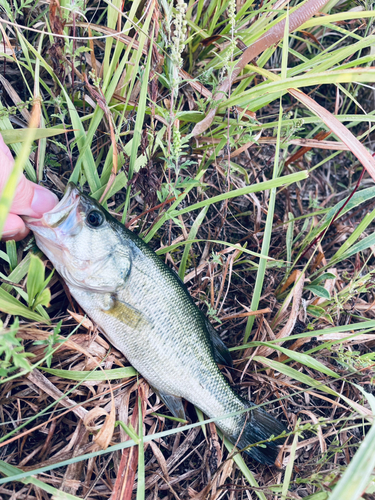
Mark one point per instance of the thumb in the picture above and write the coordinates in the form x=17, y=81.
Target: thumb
x=30, y=199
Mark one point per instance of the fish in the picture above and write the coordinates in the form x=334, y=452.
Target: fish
x=147, y=313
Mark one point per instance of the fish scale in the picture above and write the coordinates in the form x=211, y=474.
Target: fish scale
x=147, y=313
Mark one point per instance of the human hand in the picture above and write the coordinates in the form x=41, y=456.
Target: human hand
x=30, y=199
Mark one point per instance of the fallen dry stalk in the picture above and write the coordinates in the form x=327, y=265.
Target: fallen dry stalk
x=45, y=385
x=288, y=328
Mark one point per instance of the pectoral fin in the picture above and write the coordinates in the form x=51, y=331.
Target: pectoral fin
x=221, y=352
x=173, y=403
x=125, y=313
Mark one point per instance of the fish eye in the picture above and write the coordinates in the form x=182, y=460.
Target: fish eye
x=95, y=218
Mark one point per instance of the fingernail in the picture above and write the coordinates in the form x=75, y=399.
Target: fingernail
x=43, y=201
x=9, y=234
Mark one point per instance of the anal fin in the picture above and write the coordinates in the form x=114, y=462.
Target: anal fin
x=173, y=403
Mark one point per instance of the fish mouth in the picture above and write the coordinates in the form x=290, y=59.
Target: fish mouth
x=63, y=218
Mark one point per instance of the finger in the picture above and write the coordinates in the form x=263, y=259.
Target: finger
x=31, y=199
x=14, y=228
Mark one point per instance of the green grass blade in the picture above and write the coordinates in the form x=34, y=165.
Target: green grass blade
x=19, y=272
x=304, y=379
x=20, y=134
x=116, y=447
x=113, y=9
x=141, y=112
x=166, y=216
x=141, y=482
x=12, y=254
x=359, y=230
x=254, y=188
x=86, y=158
x=357, y=475
x=272, y=90
x=362, y=245
x=300, y=357
x=9, y=190
x=267, y=235
x=193, y=232
x=289, y=467
x=97, y=376
x=10, y=470
x=289, y=240
x=334, y=18
x=173, y=212
x=245, y=470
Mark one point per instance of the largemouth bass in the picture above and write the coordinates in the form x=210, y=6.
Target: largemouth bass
x=148, y=314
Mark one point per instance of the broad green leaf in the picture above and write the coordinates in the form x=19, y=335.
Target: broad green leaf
x=168, y=417
x=319, y=312
x=319, y=291
x=42, y=144
x=305, y=120
x=112, y=17
x=10, y=305
x=5, y=126
x=12, y=254
x=18, y=274
x=201, y=419
x=323, y=277
x=35, y=278
x=290, y=466
x=119, y=183
x=289, y=239
x=43, y=298
x=294, y=374
x=371, y=487
x=363, y=196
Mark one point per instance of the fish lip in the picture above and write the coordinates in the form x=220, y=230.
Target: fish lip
x=68, y=202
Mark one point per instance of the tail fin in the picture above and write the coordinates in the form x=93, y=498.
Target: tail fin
x=260, y=426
